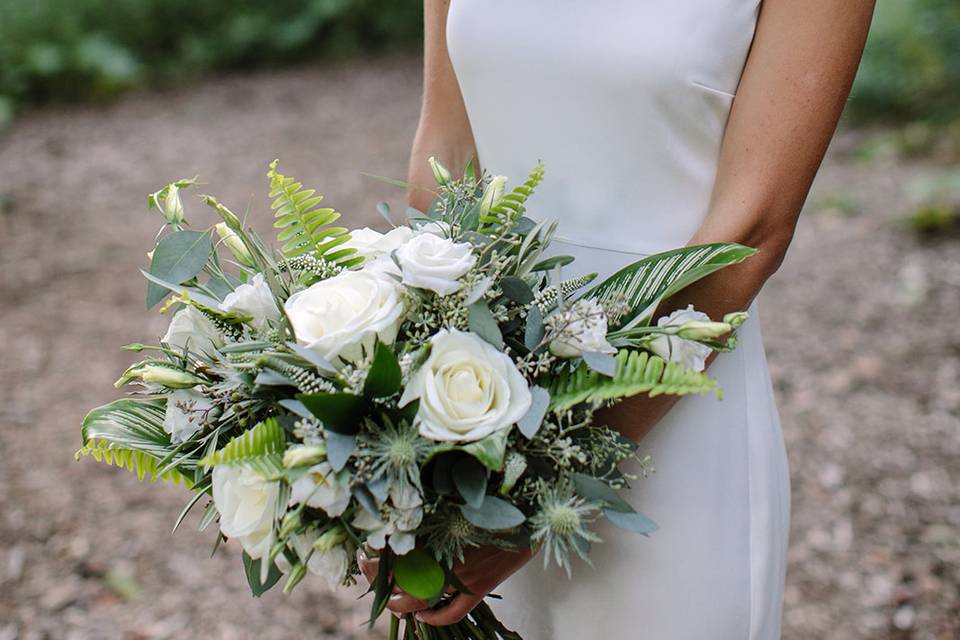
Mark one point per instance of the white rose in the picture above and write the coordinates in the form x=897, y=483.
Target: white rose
x=432, y=262
x=321, y=488
x=341, y=316
x=190, y=328
x=247, y=503
x=580, y=329
x=689, y=353
x=253, y=299
x=186, y=413
x=467, y=389
x=372, y=244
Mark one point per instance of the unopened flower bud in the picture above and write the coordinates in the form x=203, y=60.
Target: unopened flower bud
x=736, y=318
x=234, y=244
x=172, y=206
x=159, y=374
x=702, y=330
x=492, y=194
x=330, y=539
x=514, y=467
x=440, y=172
x=305, y=455
x=291, y=522
x=296, y=575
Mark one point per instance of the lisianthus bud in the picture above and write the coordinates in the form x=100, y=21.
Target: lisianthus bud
x=291, y=522
x=330, y=539
x=304, y=455
x=169, y=377
x=736, y=318
x=702, y=330
x=172, y=206
x=234, y=244
x=296, y=575
x=492, y=194
x=440, y=172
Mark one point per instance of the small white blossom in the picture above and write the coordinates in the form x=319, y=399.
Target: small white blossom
x=321, y=488
x=253, y=299
x=689, y=353
x=580, y=329
x=190, y=328
x=186, y=413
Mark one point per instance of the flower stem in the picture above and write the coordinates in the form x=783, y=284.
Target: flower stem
x=394, y=628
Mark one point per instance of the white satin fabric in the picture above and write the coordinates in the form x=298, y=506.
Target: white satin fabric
x=626, y=102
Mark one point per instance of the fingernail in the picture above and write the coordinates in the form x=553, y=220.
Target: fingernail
x=418, y=617
x=396, y=596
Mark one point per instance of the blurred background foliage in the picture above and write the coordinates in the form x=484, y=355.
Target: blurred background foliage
x=82, y=49
x=53, y=50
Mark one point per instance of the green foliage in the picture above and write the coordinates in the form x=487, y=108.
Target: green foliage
x=644, y=284
x=419, y=574
x=79, y=49
x=511, y=206
x=911, y=67
x=177, y=258
x=637, y=372
x=266, y=439
x=129, y=434
x=304, y=227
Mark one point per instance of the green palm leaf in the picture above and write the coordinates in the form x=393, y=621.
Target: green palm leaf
x=305, y=227
x=129, y=433
x=636, y=372
x=648, y=282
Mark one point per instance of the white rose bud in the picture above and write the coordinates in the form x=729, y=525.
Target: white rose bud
x=428, y=261
x=234, y=244
x=372, y=244
x=492, y=194
x=344, y=315
x=673, y=348
x=190, y=328
x=440, y=172
x=247, y=503
x=467, y=389
x=253, y=299
x=580, y=329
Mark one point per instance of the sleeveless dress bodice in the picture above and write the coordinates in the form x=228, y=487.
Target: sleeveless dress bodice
x=626, y=102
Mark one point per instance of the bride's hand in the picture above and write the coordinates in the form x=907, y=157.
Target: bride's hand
x=482, y=570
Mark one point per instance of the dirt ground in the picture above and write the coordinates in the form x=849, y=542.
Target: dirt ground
x=860, y=325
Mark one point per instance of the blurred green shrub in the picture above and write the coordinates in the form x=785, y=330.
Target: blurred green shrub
x=911, y=67
x=76, y=49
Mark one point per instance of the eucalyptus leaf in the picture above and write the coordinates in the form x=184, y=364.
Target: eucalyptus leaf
x=443, y=474
x=493, y=515
x=531, y=421
x=483, y=324
x=177, y=258
x=553, y=262
x=365, y=497
x=295, y=406
x=534, y=331
x=340, y=412
x=251, y=568
x=603, y=363
x=516, y=289
x=194, y=294
x=593, y=489
x=383, y=376
x=470, y=478
x=384, y=210
x=419, y=574
x=312, y=357
x=634, y=521
x=339, y=449
x=478, y=290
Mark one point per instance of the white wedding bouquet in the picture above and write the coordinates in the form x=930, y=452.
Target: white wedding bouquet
x=413, y=393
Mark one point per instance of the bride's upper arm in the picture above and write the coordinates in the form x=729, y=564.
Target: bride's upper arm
x=796, y=81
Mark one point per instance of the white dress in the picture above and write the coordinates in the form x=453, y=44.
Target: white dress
x=626, y=101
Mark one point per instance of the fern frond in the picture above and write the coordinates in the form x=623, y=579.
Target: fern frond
x=305, y=227
x=511, y=206
x=140, y=463
x=263, y=440
x=637, y=372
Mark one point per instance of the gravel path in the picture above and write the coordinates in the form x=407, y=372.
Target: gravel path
x=860, y=326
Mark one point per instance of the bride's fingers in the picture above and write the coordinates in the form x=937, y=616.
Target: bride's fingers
x=369, y=568
x=450, y=613
x=405, y=603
